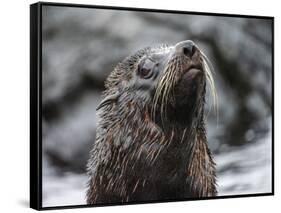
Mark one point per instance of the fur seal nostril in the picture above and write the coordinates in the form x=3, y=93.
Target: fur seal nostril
x=187, y=48
x=151, y=141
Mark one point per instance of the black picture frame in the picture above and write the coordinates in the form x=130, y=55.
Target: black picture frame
x=36, y=100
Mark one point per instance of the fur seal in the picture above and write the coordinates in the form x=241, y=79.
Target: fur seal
x=151, y=140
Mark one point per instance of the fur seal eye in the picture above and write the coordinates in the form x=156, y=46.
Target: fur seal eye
x=145, y=73
x=145, y=69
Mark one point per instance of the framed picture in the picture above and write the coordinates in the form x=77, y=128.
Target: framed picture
x=133, y=105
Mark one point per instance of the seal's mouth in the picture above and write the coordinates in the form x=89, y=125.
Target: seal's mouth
x=190, y=77
x=194, y=66
x=192, y=71
x=191, y=74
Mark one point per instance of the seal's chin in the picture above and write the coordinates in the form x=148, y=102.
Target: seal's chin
x=189, y=83
x=186, y=96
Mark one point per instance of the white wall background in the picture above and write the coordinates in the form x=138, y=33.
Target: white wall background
x=14, y=102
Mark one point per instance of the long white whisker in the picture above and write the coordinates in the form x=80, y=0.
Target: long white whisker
x=211, y=83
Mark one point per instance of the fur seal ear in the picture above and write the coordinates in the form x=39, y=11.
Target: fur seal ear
x=108, y=99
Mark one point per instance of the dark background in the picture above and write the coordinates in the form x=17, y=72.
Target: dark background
x=82, y=46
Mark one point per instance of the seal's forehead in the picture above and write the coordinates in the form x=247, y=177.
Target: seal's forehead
x=154, y=53
x=159, y=52
x=161, y=49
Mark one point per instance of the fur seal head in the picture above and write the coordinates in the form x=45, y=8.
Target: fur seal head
x=167, y=81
